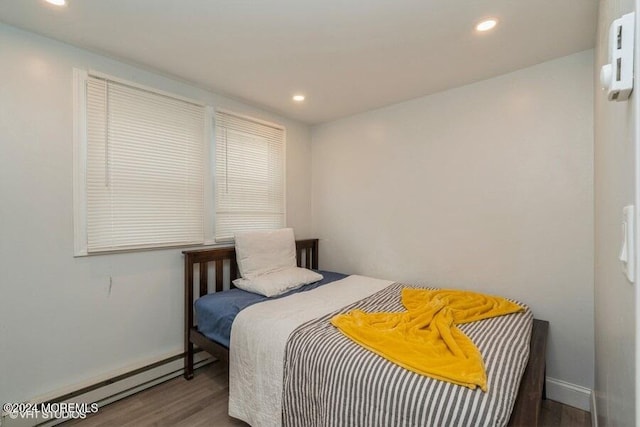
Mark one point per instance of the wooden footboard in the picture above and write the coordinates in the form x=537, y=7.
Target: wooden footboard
x=526, y=411
x=225, y=267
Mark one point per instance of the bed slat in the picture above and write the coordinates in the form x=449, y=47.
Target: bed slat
x=233, y=272
x=299, y=257
x=219, y=264
x=204, y=281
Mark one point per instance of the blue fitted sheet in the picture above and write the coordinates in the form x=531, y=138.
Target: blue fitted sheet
x=215, y=312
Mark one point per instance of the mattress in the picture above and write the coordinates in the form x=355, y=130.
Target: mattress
x=289, y=365
x=342, y=383
x=216, y=312
x=259, y=336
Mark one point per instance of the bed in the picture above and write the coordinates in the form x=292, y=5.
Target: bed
x=221, y=264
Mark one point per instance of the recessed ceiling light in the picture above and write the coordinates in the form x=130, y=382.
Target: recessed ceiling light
x=57, y=2
x=298, y=98
x=486, y=25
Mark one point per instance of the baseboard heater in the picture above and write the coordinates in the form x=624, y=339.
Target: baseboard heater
x=115, y=388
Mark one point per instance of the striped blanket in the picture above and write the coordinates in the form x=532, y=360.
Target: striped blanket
x=331, y=381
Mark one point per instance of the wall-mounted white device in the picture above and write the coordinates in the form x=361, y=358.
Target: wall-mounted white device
x=616, y=77
x=627, y=254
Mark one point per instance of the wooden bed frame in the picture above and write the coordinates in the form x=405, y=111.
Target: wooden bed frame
x=526, y=411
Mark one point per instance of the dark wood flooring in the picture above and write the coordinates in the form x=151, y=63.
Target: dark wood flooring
x=557, y=414
x=203, y=402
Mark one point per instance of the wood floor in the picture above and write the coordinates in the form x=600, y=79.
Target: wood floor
x=557, y=414
x=199, y=402
x=203, y=402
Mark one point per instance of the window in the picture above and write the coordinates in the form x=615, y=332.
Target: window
x=249, y=175
x=139, y=157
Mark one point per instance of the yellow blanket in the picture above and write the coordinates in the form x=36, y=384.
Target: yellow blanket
x=424, y=339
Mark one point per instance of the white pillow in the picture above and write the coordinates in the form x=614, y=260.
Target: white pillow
x=278, y=282
x=260, y=252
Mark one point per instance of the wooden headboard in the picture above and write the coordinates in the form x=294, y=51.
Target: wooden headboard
x=223, y=260
x=306, y=255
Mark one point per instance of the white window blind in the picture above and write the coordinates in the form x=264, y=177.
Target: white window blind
x=144, y=168
x=249, y=175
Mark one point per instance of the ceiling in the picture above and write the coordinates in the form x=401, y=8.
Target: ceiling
x=345, y=56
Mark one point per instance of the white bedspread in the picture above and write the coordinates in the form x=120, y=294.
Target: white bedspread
x=258, y=339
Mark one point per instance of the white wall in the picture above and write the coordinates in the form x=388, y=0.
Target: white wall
x=59, y=324
x=615, y=308
x=488, y=186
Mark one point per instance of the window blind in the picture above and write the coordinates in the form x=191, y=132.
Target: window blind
x=144, y=170
x=249, y=175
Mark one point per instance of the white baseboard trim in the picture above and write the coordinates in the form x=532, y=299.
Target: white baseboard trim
x=112, y=392
x=569, y=394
